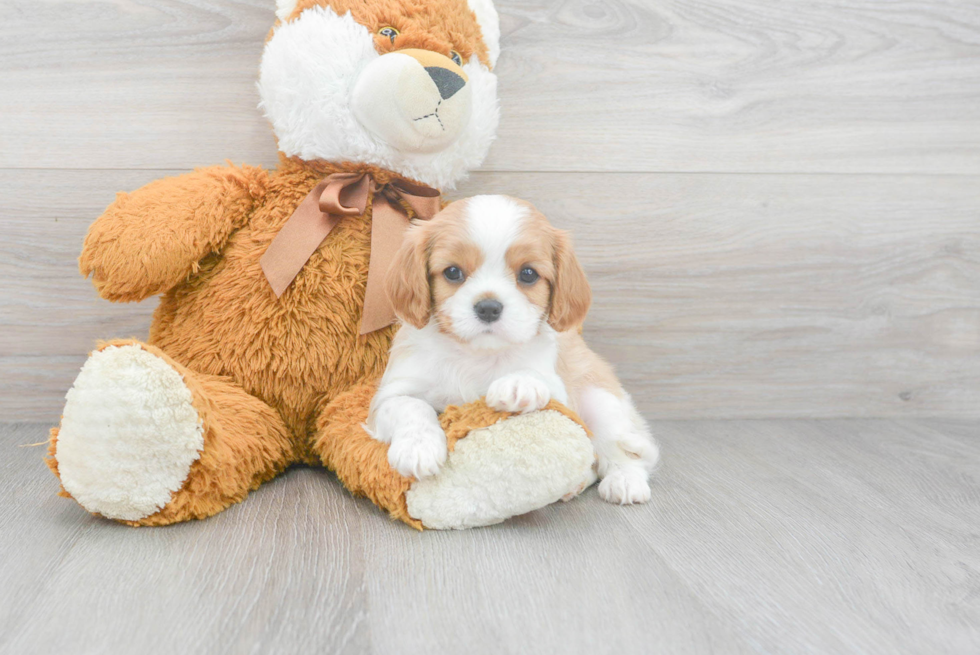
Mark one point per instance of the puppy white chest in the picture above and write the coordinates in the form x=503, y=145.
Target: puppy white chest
x=462, y=376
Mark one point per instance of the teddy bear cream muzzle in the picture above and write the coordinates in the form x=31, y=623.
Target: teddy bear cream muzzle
x=414, y=100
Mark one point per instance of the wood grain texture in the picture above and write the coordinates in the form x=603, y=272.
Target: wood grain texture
x=779, y=207
x=846, y=536
x=715, y=295
x=776, y=295
x=621, y=85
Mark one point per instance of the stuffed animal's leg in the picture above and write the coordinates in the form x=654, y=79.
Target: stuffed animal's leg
x=499, y=465
x=145, y=441
x=358, y=459
x=626, y=452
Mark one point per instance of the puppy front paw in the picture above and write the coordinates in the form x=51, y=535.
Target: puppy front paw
x=625, y=485
x=518, y=393
x=418, y=452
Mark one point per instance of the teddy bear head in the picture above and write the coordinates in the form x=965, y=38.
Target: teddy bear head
x=404, y=85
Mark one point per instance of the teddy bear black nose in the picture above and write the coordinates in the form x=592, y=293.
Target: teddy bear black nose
x=446, y=81
x=488, y=310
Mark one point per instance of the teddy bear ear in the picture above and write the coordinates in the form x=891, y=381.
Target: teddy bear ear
x=284, y=8
x=486, y=16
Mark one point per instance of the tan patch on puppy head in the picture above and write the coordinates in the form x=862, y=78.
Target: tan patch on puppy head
x=415, y=283
x=418, y=288
x=563, y=289
x=449, y=245
x=437, y=25
x=534, y=248
x=407, y=282
x=571, y=295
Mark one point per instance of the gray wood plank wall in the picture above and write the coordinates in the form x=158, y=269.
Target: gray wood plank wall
x=778, y=203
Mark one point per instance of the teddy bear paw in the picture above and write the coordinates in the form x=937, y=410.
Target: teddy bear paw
x=128, y=435
x=514, y=466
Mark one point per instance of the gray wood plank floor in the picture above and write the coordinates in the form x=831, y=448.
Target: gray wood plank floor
x=779, y=206
x=777, y=536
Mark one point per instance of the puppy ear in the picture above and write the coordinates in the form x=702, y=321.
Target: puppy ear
x=407, y=281
x=571, y=295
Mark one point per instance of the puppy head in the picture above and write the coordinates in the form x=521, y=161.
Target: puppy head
x=401, y=84
x=490, y=271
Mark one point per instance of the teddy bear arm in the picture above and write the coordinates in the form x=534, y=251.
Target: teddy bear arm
x=149, y=240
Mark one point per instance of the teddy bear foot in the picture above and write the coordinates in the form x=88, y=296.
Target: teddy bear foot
x=509, y=468
x=129, y=434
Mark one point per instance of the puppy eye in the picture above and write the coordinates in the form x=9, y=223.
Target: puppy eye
x=456, y=58
x=390, y=32
x=528, y=275
x=453, y=274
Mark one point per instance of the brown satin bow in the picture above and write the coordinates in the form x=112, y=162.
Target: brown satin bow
x=346, y=194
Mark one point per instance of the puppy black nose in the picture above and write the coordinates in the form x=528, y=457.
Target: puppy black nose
x=446, y=81
x=488, y=310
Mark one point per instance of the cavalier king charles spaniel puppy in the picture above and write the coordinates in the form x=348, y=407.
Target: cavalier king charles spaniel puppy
x=491, y=300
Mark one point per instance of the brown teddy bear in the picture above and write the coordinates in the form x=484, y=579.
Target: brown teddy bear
x=271, y=331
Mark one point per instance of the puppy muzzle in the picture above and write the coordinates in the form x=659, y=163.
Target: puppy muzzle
x=413, y=100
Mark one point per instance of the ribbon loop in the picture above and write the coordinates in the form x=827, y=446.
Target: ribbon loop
x=337, y=196
x=424, y=201
x=346, y=194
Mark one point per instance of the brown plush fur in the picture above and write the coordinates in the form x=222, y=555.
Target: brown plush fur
x=147, y=242
x=245, y=444
x=258, y=366
x=437, y=25
x=361, y=462
x=292, y=352
x=275, y=381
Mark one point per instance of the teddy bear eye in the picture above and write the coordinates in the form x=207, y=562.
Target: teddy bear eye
x=390, y=32
x=456, y=58
x=528, y=275
x=453, y=274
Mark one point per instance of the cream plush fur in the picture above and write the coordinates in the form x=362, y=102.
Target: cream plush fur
x=474, y=326
x=309, y=104
x=129, y=434
x=234, y=384
x=480, y=484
